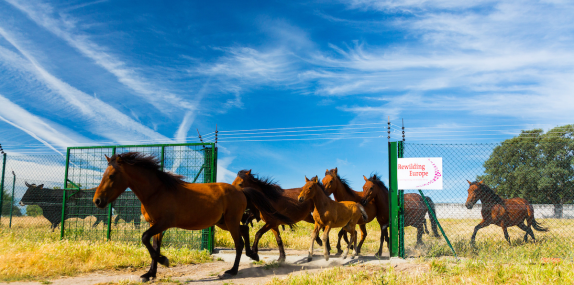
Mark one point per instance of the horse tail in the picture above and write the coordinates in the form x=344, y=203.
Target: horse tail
x=261, y=203
x=433, y=222
x=532, y=221
x=363, y=212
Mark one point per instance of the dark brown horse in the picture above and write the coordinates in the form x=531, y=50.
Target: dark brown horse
x=376, y=207
x=284, y=200
x=330, y=214
x=415, y=212
x=168, y=202
x=501, y=212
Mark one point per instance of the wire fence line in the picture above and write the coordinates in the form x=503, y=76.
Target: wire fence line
x=527, y=185
x=36, y=201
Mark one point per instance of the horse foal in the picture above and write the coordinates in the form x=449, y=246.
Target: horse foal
x=330, y=214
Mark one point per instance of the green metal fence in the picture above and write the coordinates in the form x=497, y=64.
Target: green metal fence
x=542, y=173
x=122, y=220
x=34, y=201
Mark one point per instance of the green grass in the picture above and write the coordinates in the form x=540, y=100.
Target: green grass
x=441, y=271
x=25, y=257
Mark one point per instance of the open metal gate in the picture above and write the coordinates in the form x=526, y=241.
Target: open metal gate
x=122, y=220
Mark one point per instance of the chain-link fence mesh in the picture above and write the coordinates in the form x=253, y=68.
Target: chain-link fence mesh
x=478, y=180
x=37, y=214
x=33, y=194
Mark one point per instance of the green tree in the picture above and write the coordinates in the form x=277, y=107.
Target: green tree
x=33, y=211
x=536, y=166
x=6, y=199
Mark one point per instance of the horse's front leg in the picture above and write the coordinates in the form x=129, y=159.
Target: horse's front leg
x=325, y=236
x=505, y=231
x=480, y=225
x=279, y=244
x=258, y=236
x=151, y=274
x=313, y=236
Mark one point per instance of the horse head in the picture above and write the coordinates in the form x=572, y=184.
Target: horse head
x=368, y=190
x=329, y=181
x=243, y=179
x=309, y=189
x=474, y=189
x=113, y=184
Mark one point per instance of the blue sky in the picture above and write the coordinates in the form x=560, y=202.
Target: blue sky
x=121, y=72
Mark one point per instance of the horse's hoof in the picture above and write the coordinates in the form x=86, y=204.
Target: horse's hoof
x=344, y=256
x=309, y=258
x=326, y=258
x=253, y=256
x=145, y=278
x=281, y=259
x=225, y=276
x=163, y=261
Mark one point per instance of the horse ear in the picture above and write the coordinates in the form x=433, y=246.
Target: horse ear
x=248, y=172
x=365, y=178
x=107, y=158
x=469, y=183
x=315, y=179
x=374, y=177
x=306, y=179
x=480, y=182
x=326, y=172
x=119, y=160
x=335, y=171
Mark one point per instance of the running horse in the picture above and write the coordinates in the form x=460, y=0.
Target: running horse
x=331, y=214
x=170, y=202
x=415, y=212
x=376, y=205
x=501, y=212
x=285, y=200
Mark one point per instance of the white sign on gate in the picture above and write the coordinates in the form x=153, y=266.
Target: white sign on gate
x=420, y=173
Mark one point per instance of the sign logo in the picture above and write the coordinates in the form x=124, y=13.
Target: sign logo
x=420, y=173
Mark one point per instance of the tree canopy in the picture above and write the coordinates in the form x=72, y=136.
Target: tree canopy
x=536, y=166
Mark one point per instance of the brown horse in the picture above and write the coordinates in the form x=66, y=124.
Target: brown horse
x=502, y=212
x=377, y=206
x=415, y=212
x=285, y=200
x=330, y=214
x=168, y=202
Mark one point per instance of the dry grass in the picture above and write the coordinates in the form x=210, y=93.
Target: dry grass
x=23, y=258
x=441, y=271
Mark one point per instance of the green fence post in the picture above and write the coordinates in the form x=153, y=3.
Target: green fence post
x=210, y=159
x=12, y=200
x=393, y=199
x=109, y=233
x=62, y=226
x=2, y=184
x=401, y=207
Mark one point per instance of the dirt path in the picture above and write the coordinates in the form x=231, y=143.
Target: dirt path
x=249, y=273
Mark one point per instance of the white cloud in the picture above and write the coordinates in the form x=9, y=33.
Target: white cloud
x=223, y=174
x=99, y=117
x=64, y=26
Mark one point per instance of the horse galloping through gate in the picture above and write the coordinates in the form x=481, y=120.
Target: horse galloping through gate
x=501, y=212
x=168, y=201
x=330, y=214
x=376, y=205
x=285, y=200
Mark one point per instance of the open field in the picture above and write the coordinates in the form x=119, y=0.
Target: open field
x=33, y=252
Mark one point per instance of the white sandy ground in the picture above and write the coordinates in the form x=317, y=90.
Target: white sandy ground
x=249, y=273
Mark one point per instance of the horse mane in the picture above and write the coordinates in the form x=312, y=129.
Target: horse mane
x=267, y=185
x=375, y=179
x=492, y=197
x=151, y=163
x=320, y=184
